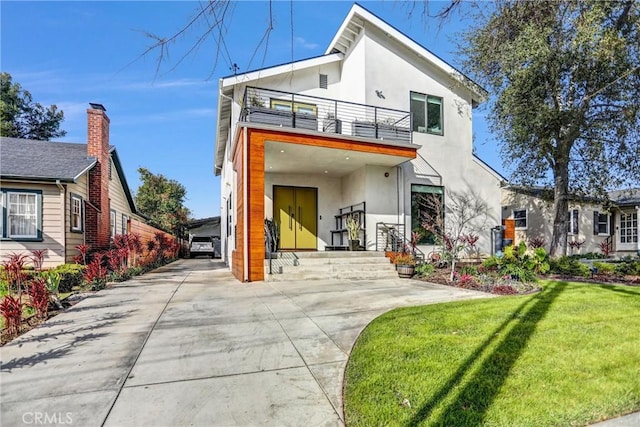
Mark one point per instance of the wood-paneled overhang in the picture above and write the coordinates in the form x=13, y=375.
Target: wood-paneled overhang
x=249, y=165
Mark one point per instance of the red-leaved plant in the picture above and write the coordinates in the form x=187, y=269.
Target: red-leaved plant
x=38, y=258
x=605, y=248
x=11, y=310
x=39, y=297
x=83, y=249
x=535, y=242
x=13, y=272
x=95, y=272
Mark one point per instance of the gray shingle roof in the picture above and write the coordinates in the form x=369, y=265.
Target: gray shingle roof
x=43, y=160
x=627, y=197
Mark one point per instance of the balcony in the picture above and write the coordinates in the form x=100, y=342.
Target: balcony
x=285, y=109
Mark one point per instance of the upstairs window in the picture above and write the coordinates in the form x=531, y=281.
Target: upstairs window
x=427, y=114
x=520, y=218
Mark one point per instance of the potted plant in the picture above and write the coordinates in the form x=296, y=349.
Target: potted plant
x=405, y=264
x=353, y=231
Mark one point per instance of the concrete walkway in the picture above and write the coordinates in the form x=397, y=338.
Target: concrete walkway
x=189, y=345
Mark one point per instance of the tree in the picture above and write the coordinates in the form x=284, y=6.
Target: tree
x=162, y=201
x=566, y=80
x=22, y=118
x=454, y=223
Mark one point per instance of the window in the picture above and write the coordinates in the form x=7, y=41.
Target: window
x=22, y=214
x=124, y=223
x=629, y=227
x=601, y=222
x=426, y=111
x=76, y=212
x=427, y=205
x=298, y=107
x=113, y=223
x=573, y=222
x=520, y=217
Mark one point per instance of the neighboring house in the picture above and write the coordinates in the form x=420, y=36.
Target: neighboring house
x=57, y=195
x=528, y=214
x=368, y=128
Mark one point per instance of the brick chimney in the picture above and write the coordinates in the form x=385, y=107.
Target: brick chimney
x=98, y=227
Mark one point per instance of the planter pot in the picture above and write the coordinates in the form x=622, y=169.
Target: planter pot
x=406, y=271
x=354, y=245
x=332, y=125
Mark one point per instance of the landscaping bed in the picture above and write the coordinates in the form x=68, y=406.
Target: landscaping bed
x=31, y=294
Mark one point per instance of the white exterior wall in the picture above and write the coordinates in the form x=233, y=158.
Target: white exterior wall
x=75, y=238
x=449, y=154
x=52, y=225
x=377, y=62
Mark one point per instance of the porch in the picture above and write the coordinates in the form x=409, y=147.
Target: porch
x=300, y=179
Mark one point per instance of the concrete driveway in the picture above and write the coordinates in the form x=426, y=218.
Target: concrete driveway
x=189, y=345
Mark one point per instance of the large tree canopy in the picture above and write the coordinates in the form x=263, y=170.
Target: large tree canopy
x=162, y=201
x=23, y=118
x=566, y=81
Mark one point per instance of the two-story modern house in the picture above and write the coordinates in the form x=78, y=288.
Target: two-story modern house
x=362, y=131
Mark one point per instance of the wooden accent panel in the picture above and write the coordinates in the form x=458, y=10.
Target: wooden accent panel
x=255, y=203
x=509, y=229
x=328, y=142
x=237, y=255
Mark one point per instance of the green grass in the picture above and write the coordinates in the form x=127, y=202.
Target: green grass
x=569, y=355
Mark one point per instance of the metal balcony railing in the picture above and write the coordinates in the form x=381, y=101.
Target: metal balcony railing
x=318, y=114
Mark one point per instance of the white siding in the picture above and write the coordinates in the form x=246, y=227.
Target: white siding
x=53, y=234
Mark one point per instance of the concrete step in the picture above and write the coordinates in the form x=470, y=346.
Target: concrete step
x=342, y=275
x=332, y=265
x=340, y=255
x=352, y=261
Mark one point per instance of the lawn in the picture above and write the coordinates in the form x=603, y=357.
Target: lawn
x=568, y=355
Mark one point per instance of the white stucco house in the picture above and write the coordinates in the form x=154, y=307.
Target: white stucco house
x=363, y=130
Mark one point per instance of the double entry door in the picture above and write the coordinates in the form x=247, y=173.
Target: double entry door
x=295, y=210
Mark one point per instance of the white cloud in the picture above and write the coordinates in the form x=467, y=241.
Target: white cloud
x=299, y=41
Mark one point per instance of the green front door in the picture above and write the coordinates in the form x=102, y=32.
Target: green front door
x=295, y=210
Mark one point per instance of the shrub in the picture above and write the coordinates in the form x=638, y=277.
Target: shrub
x=52, y=280
x=569, y=267
x=424, y=269
x=627, y=268
x=39, y=297
x=11, y=310
x=605, y=267
x=71, y=276
x=517, y=263
x=469, y=269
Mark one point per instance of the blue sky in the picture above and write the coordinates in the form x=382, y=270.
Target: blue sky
x=73, y=53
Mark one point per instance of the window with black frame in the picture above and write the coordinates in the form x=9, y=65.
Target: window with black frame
x=427, y=206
